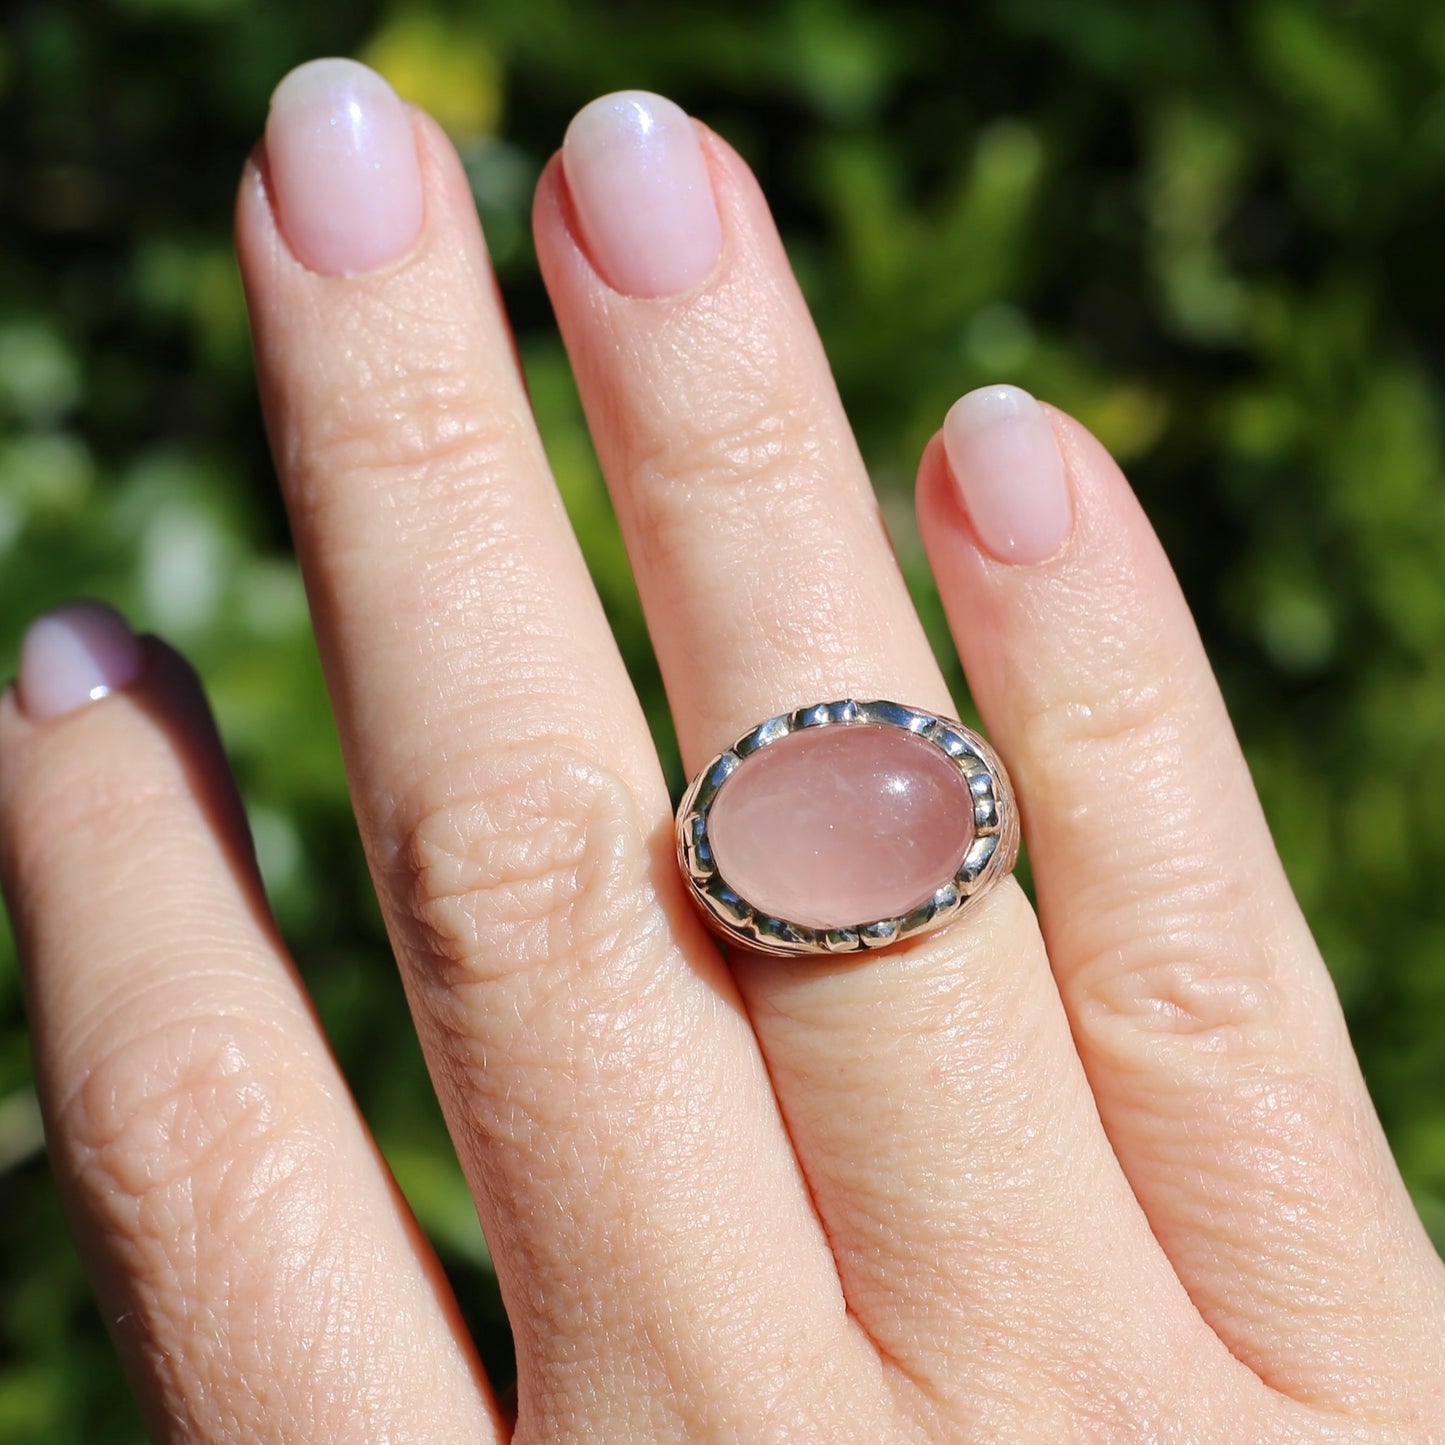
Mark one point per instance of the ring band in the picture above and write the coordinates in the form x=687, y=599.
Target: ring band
x=845, y=807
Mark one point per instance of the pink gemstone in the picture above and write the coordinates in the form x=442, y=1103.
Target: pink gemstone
x=837, y=826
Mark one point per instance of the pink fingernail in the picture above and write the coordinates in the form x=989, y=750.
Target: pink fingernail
x=344, y=173
x=76, y=655
x=1009, y=473
x=642, y=194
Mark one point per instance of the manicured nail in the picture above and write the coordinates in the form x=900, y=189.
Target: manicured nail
x=1010, y=477
x=75, y=655
x=642, y=194
x=343, y=166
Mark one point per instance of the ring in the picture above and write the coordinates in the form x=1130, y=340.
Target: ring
x=846, y=826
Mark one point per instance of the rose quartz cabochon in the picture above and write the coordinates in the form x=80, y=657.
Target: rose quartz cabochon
x=836, y=826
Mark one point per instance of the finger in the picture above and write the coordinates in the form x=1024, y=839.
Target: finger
x=932, y=1092
x=261, y=1276
x=1205, y=1018
x=603, y=1091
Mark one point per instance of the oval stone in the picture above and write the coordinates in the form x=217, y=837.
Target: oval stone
x=836, y=826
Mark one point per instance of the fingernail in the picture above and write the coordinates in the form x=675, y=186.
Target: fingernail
x=75, y=655
x=343, y=167
x=1009, y=474
x=642, y=194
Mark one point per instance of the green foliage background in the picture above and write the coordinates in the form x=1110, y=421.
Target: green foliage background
x=1212, y=230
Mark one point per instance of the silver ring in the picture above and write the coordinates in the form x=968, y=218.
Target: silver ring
x=975, y=842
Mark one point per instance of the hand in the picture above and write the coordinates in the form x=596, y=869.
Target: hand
x=1110, y=1174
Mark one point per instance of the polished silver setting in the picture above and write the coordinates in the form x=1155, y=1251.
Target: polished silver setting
x=990, y=857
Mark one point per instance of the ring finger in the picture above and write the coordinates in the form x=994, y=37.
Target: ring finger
x=932, y=1092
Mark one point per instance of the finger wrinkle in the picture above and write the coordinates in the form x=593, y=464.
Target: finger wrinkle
x=145, y=988
x=249, y=1287
x=85, y=801
x=1206, y=989
x=162, y=1106
x=427, y=443
x=542, y=868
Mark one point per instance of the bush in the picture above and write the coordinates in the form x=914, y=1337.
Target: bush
x=1212, y=231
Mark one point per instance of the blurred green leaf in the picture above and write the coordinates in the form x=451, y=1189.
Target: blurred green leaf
x=438, y=1194
x=1210, y=231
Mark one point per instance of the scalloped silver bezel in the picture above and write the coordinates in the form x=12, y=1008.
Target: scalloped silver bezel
x=990, y=856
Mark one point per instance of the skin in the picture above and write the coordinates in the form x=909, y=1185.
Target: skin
x=1110, y=1174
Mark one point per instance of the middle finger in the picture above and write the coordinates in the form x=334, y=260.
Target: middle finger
x=595, y=1073
x=933, y=1093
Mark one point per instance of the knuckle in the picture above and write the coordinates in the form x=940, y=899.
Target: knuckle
x=427, y=412
x=748, y=414
x=760, y=447
x=430, y=420
x=733, y=488
x=1170, y=936
x=1133, y=684
x=1132, y=724
x=186, y=1126
x=1178, y=965
x=537, y=876
x=209, y=1170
